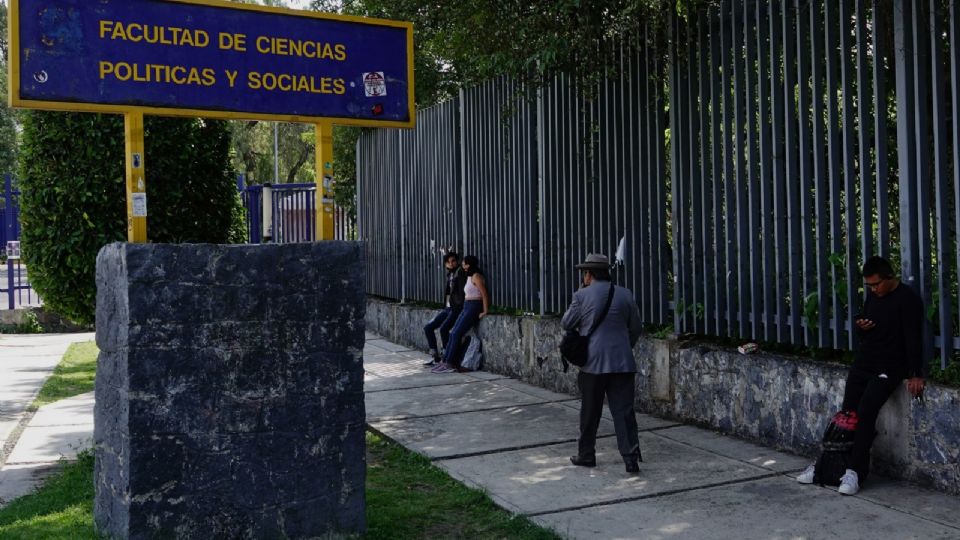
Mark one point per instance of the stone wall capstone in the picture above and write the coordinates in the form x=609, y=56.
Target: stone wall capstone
x=779, y=401
x=229, y=391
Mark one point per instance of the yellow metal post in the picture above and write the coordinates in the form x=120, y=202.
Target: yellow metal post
x=324, y=132
x=136, y=178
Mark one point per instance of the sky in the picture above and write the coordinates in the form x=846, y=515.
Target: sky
x=298, y=4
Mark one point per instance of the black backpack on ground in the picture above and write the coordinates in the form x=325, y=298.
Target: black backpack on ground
x=834, y=460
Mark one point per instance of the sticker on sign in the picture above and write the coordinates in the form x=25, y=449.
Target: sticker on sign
x=374, y=84
x=139, y=204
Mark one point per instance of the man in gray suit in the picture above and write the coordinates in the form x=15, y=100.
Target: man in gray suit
x=610, y=366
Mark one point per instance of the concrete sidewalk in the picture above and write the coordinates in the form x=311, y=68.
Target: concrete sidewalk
x=33, y=443
x=513, y=440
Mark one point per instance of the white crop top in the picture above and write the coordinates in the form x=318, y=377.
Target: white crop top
x=471, y=291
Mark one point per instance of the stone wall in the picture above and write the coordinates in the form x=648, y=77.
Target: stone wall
x=779, y=401
x=229, y=391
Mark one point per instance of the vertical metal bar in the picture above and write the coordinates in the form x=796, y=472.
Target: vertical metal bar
x=804, y=163
x=705, y=250
x=729, y=149
x=821, y=186
x=751, y=81
x=790, y=245
x=743, y=260
x=648, y=242
x=942, y=214
x=844, y=320
x=955, y=123
x=906, y=149
x=834, y=149
x=654, y=181
x=921, y=208
x=636, y=149
x=542, y=209
x=675, y=138
x=464, y=159
x=881, y=51
x=770, y=162
x=11, y=288
x=695, y=188
x=864, y=98
x=663, y=254
x=719, y=248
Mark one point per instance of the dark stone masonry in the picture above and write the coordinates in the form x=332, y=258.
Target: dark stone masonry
x=229, y=391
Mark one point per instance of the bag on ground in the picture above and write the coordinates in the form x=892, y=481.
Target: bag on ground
x=834, y=460
x=473, y=357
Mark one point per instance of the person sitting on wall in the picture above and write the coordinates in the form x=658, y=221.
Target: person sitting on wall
x=890, y=329
x=475, y=306
x=453, y=299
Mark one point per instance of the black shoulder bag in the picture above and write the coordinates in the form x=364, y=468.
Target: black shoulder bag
x=574, y=348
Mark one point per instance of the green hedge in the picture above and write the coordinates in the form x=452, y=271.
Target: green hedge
x=74, y=198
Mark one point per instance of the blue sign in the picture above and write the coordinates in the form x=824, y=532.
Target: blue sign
x=210, y=58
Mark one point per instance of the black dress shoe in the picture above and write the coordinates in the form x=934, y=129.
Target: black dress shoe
x=632, y=467
x=583, y=462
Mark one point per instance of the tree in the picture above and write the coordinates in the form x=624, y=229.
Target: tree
x=73, y=201
x=253, y=151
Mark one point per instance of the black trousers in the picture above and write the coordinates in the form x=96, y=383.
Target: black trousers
x=866, y=393
x=619, y=390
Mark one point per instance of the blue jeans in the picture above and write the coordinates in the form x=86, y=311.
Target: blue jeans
x=467, y=320
x=444, y=321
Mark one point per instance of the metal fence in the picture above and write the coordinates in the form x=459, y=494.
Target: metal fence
x=15, y=289
x=499, y=184
x=604, y=182
x=378, y=212
x=431, y=207
x=9, y=212
x=293, y=212
x=748, y=162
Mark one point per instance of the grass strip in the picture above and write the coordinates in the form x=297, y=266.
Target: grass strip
x=407, y=498
x=61, y=508
x=72, y=376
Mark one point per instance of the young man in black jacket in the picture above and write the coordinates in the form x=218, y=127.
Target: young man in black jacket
x=453, y=305
x=890, y=329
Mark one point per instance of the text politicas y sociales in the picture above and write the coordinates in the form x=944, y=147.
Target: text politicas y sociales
x=189, y=37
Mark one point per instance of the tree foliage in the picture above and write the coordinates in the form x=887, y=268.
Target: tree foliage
x=253, y=151
x=73, y=201
x=464, y=43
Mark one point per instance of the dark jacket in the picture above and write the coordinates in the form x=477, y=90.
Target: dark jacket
x=895, y=345
x=611, y=345
x=453, y=288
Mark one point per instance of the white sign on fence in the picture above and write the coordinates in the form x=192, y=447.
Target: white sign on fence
x=13, y=249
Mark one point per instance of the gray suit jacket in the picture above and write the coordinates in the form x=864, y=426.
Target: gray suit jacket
x=611, y=346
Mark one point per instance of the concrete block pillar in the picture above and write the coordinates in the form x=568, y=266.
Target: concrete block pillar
x=229, y=392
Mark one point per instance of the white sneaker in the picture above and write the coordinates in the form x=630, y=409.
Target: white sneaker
x=806, y=477
x=849, y=483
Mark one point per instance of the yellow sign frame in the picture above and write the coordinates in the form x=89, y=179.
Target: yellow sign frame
x=133, y=116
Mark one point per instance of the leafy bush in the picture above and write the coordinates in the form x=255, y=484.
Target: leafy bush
x=949, y=376
x=74, y=198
